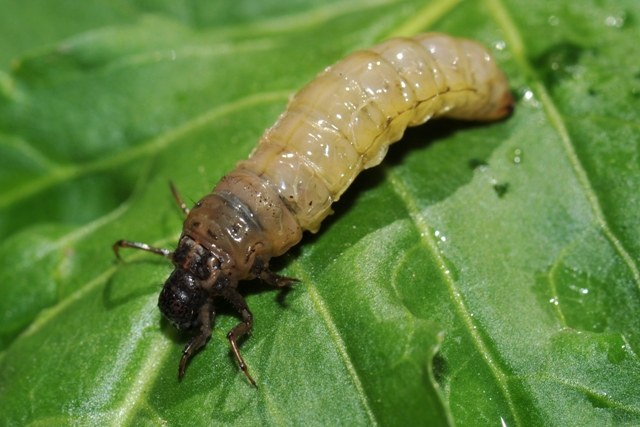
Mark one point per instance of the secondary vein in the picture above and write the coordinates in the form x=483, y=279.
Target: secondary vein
x=155, y=145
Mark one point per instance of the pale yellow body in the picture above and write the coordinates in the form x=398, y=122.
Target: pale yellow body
x=344, y=120
x=336, y=126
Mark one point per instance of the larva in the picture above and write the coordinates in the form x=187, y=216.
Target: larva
x=336, y=126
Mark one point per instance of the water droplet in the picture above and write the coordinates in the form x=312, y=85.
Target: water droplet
x=528, y=97
x=616, y=20
x=616, y=355
x=561, y=62
x=584, y=291
x=517, y=156
x=554, y=20
x=500, y=45
x=575, y=71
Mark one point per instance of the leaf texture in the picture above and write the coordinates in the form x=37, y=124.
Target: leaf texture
x=484, y=274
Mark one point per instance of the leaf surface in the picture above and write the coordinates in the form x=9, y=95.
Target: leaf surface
x=484, y=274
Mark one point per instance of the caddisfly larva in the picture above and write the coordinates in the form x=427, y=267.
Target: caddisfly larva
x=336, y=126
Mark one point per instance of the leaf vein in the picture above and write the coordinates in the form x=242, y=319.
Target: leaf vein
x=339, y=342
x=426, y=234
x=424, y=18
x=152, y=147
x=576, y=386
x=606, y=119
x=303, y=20
x=501, y=15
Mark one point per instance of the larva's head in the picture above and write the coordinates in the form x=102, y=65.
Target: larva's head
x=182, y=299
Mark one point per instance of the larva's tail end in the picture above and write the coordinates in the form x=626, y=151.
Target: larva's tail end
x=506, y=106
x=501, y=106
x=495, y=104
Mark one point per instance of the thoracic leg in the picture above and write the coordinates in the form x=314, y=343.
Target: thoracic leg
x=261, y=269
x=207, y=316
x=241, y=328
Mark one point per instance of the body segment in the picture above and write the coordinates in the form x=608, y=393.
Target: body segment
x=336, y=126
x=344, y=120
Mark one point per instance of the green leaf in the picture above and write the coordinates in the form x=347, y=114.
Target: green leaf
x=484, y=274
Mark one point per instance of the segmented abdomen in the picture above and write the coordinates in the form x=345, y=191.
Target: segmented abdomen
x=336, y=126
x=344, y=120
